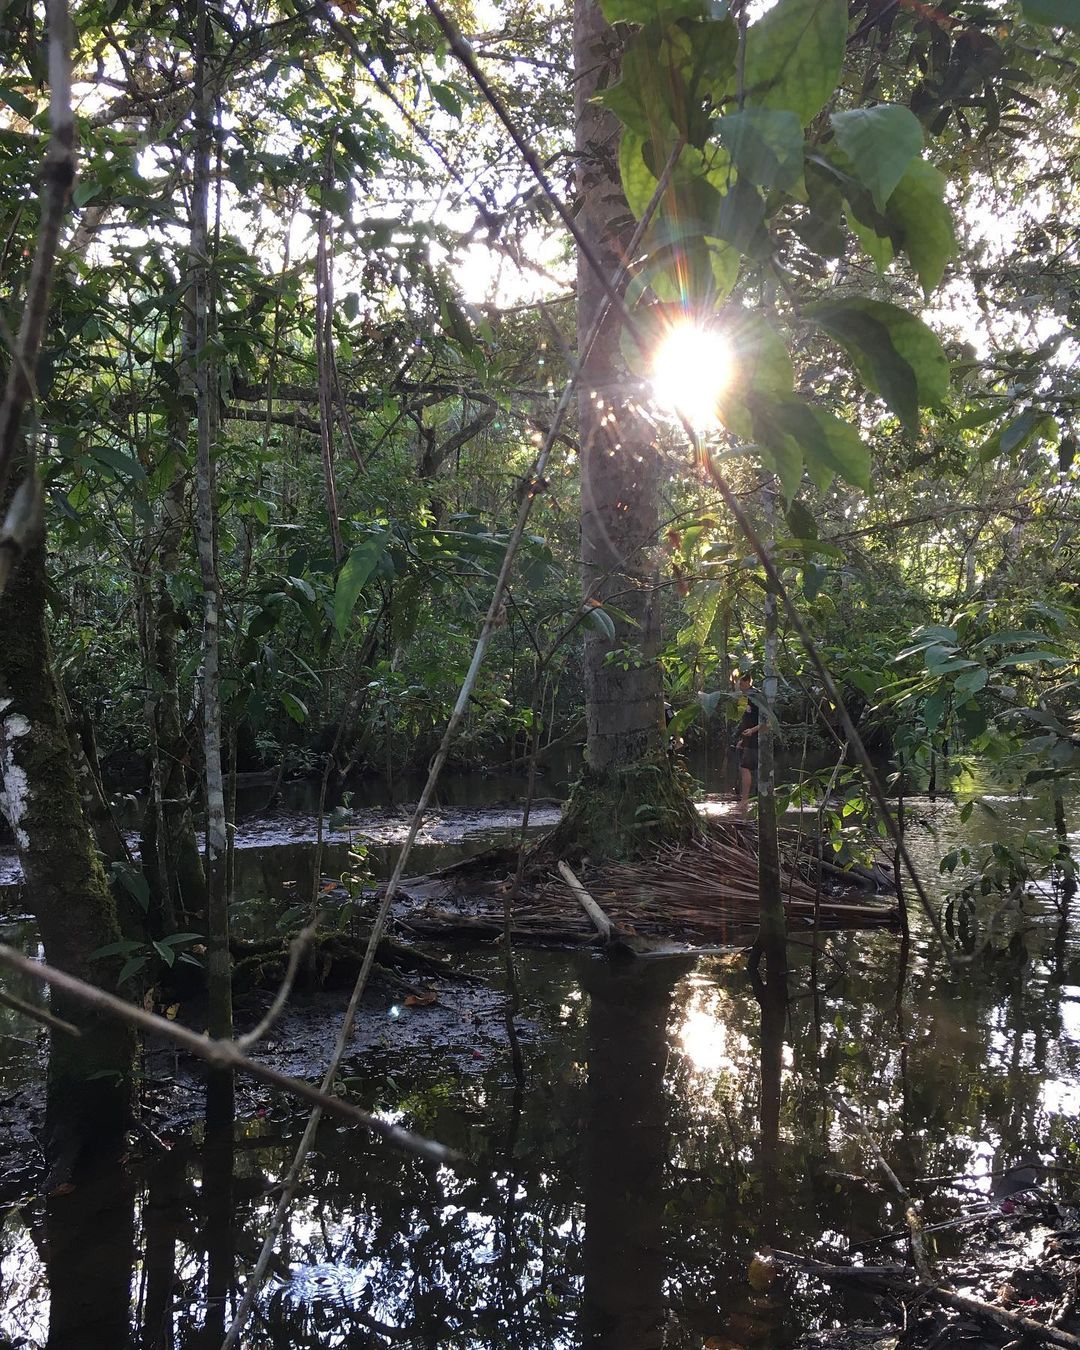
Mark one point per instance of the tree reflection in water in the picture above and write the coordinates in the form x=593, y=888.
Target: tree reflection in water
x=618, y=1201
x=626, y=1154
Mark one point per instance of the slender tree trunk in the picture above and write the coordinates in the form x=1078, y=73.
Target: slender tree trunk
x=324, y=351
x=630, y=795
x=170, y=851
x=218, y=963
x=772, y=930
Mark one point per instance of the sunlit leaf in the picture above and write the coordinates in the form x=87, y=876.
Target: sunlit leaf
x=880, y=143
x=922, y=217
x=794, y=56
x=896, y=354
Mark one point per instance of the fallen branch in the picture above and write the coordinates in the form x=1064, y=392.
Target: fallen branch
x=604, y=926
x=911, y=1213
x=225, y=1055
x=893, y=1279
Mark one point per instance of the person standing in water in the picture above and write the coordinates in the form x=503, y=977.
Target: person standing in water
x=746, y=741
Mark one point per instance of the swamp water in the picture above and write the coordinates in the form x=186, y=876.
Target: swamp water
x=669, y=1127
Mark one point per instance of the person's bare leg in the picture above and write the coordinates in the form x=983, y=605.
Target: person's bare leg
x=744, y=796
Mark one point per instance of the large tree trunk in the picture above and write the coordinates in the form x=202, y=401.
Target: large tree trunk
x=630, y=795
x=89, y=1078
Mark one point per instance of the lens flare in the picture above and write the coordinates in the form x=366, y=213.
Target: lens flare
x=690, y=371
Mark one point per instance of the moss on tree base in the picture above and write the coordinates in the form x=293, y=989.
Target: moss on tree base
x=624, y=813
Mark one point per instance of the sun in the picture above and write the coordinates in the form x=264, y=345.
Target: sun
x=691, y=368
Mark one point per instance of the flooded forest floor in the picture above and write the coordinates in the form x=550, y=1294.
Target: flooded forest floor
x=673, y=1129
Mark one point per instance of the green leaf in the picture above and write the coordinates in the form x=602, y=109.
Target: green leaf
x=801, y=522
x=132, y=967
x=813, y=578
x=826, y=442
x=638, y=180
x=895, y=353
x=934, y=708
x=794, y=56
x=879, y=246
x=294, y=707
x=166, y=953
x=971, y=681
x=122, y=948
x=597, y=617
x=759, y=354
x=353, y=577
x=17, y=102
x=701, y=606
x=447, y=99
x=117, y=460
x=923, y=221
x=1053, y=13
x=650, y=11
x=765, y=144
x=880, y=144
x=1013, y=436
x=682, y=719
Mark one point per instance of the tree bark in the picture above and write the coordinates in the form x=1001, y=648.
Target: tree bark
x=219, y=972
x=771, y=939
x=89, y=1078
x=630, y=796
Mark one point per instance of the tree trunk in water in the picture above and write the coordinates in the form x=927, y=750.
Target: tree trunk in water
x=630, y=795
x=90, y=1256
x=89, y=1078
x=626, y=1153
x=219, y=970
x=771, y=941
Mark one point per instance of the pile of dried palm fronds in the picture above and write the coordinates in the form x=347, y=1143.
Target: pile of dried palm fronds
x=698, y=890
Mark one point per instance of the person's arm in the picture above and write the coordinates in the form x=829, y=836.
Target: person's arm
x=751, y=731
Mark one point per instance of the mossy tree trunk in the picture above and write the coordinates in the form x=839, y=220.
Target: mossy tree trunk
x=630, y=795
x=89, y=1077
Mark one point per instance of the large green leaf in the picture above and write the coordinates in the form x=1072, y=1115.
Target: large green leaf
x=880, y=144
x=794, y=55
x=651, y=11
x=760, y=365
x=354, y=575
x=1053, y=13
x=879, y=246
x=765, y=144
x=827, y=443
x=917, y=208
x=894, y=352
x=638, y=180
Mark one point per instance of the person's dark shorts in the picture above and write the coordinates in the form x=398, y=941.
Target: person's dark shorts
x=746, y=757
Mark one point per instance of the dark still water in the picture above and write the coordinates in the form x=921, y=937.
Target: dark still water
x=669, y=1126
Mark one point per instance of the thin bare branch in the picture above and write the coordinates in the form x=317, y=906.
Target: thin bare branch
x=226, y=1055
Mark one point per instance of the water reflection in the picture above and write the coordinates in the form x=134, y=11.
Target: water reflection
x=673, y=1121
x=625, y=1154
